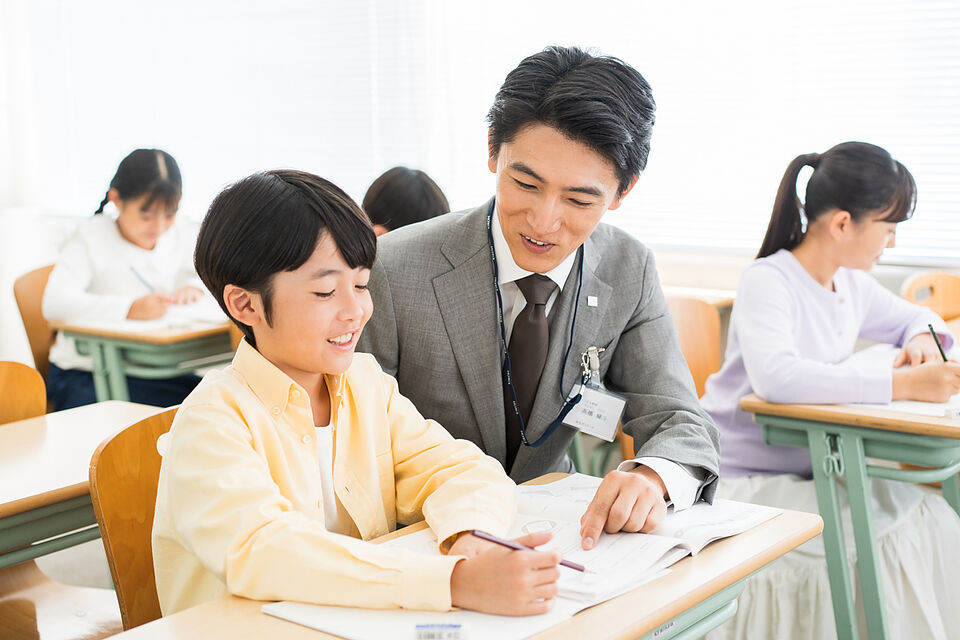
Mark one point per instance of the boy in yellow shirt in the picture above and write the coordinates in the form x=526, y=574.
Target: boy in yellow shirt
x=279, y=468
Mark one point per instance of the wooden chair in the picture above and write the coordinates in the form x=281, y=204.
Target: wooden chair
x=22, y=391
x=937, y=290
x=235, y=337
x=123, y=484
x=28, y=290
x=698, y=324
x=31, y=604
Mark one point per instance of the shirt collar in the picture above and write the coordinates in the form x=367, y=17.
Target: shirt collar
x=271, y=385
x=509, y=271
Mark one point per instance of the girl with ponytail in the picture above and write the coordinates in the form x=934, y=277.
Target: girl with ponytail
x=131, y=265
x=800, y=309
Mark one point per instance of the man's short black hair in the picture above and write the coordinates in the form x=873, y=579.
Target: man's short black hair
x=599, y=101
x=271, y=222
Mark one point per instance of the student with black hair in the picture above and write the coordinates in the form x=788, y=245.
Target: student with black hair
x=280, y=467
x=402, y=196
x=801, y=307
x=486, y=315
x=130, y=266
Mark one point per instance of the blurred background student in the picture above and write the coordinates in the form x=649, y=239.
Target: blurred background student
x=402, y=196
x=800, y=309
x=131, y=265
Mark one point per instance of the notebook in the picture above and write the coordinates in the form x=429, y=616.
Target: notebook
x=620, y=562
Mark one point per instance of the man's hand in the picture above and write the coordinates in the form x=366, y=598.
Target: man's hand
x=625, y=501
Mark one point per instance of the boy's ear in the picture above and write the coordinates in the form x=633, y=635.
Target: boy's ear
x=244, y=306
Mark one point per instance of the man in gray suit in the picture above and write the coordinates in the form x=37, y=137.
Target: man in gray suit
x=569, y=135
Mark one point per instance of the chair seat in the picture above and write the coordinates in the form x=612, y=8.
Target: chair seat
x=32, y=606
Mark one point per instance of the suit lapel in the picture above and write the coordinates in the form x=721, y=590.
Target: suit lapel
x=550, y=395
x=468, y=305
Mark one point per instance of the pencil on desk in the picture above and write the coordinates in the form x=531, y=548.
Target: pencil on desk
x=936, y=339
x=516, y=546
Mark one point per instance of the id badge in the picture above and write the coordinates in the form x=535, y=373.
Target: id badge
x=598, y=413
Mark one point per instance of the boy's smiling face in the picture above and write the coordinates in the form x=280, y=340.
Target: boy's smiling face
x=317, y=314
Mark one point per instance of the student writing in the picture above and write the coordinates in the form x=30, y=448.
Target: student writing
x=800, y=309
x=131, y=266
x=282, y=465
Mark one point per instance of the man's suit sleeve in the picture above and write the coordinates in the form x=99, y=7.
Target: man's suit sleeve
x=379, y=337
x=663, y=414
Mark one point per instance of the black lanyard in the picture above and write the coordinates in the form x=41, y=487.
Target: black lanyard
x=568, y=402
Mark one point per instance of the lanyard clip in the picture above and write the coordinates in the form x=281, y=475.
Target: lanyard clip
x=590, y=362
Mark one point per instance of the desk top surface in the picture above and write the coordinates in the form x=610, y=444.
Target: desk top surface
x=164, y=335
x=633, y=614
x=720, y=298
x=866, y=416
x=47, y=459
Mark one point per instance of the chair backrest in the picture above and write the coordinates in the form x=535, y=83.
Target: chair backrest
x=28, y=290
x=698, y=324
x=937, y=290
x=22, y=392
x=124, y=472
x=235, y=337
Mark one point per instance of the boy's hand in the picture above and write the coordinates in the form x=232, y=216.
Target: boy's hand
x=919, y=349
x=507, y=582
x=467, y=545
x=186, y=295
x=625, y=501
x=149, y=307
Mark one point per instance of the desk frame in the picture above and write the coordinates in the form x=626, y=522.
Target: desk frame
x=115, y=358
x=46, y=529
x=838, y=450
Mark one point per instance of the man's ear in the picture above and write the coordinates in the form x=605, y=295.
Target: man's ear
x=491, y=152
x=619, y=200
x=243, y=306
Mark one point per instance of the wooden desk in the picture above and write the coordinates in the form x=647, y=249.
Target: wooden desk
x=720, y=298
x=44, y=470
x=698, y=594
x=840, y=440
x=160, y=353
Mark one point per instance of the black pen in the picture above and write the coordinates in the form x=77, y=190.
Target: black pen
x=937, y=340
x=516, y=546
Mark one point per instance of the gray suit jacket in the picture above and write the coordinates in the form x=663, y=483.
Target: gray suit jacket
x=435, y=328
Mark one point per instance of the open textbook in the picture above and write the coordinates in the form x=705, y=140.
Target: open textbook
x=618, y=563
x=883, y=355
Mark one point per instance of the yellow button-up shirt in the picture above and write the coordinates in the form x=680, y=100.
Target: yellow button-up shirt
x=239, y=501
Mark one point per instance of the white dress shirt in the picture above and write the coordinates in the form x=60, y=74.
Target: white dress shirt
x=681, y=486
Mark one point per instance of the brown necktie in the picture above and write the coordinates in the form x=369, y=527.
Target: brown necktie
x=528, y=353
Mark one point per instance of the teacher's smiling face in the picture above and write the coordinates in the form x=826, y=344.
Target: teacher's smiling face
x=552, y=192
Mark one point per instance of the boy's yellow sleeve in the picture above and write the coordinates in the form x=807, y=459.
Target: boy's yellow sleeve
x=222, y=524
x=449, y=483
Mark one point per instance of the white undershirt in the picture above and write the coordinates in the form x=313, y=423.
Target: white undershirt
x=325, y=459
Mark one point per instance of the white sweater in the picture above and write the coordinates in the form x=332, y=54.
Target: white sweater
x=94, y=279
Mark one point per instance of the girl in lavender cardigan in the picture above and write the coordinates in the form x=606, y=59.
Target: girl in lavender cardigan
x=800, y=309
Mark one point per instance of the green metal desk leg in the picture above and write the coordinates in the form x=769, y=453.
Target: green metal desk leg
x=101, y=384
x=858, y=490
x=826, y=468
x=951, y=492
x=115, y=373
